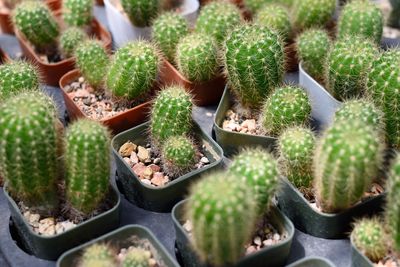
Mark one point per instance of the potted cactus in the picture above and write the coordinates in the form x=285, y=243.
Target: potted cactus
x=53, y=209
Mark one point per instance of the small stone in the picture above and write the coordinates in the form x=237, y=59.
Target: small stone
x=166, y=179
x=87, y=101
x=143, y=154
x=126, y=149
x=67, y=225
x=68, y=89
x=188, y=226
x=257, y=241
x=250, y=250
x=268, y=242
x=75, y=85
x=277, y=237
x=148, y=161
x=157, y=161
x=128, y=160
x=146, y=181
x=134, y=158
x=47, y=227
x=152, y=262
x=147, y=173
x=154, y=167
x=34, y=218
x=158, y=180
x=27, y=215
x=209, y=114
x=138, y=169
x=59, y=228
x=249, y=124
x=81, y=79
x=204, y=160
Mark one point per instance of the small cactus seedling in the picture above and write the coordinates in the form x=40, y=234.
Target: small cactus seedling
x=312, y=48
x=287, y=106
x=346, y=161
x=392, y=203
x=70, y=39
x=168, y=29
x=217, y=19
x=254, y=63
x=223, y=212
x=133, y=70
x=92, y=61
x=296, y=150
x=259, y=170
x=347, y=66
x=276, y=17
x=98, y=255
x=141, y=12
x=36, y=22
x=136, y=257
x=312, y=13
x=87, y=157
x=77, y=12
x=197, y=57
x=368, y=236
x=361, y=17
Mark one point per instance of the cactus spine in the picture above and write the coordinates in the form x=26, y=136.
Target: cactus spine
x=276, y=17
x=141, y=12
x=392, y=203
x=70, y=39
x=137, y=257
x=77, y=12
x=98, y=255
x=312, y=13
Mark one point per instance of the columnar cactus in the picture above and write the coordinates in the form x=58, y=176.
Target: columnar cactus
x=168, y=29
x=70, y=39
x=287, y=106
x=392, y=203
x=254, y=63
x=312, y=49
x=361, y=17
x=133, y=70
x=296, y=151
x=347, y=65
x=17, y=76
x=141, y=12
x=36, y=22
x=368, y=236
x=223, y=212
x=28, y=150
x=276, y=17
x=197, y=57
x=259, y=170
x=77, y=12
x=98, y=255
x=136, y=257
x=217, y=19
x=312, y=13
x=346, y=161
x=92, y=61
x=87, y=157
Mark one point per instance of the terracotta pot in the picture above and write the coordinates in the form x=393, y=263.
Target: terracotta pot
x=204, y=94
x=117, y=123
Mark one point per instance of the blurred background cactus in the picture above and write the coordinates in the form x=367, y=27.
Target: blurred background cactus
x=137, y=257
x=141, y=12
x=275, y=16
x=77, y=12
x=393, y=205
x=70, y=39
x=312, y=13
x=99, y=255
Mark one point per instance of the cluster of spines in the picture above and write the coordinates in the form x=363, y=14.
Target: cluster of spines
x=141, y=12
x=77, y=12
x=98, y=255
x=70, y=39
x=276, y=17
x=392, y=203
x=136, y=257
x=312, y=13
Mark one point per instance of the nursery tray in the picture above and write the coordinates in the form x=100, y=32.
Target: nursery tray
x=312, y=262
x=358, y=259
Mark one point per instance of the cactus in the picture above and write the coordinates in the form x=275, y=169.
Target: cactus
x=347, y=66
x=70, y=39
x=312, y=49
x=87, y=157
x=254, y=5
x=275, y=17
x=394, y=17
x=223, y=213
x=17, y=76
x=77, y=12
x=287, y=106
x=141, y=12
x=368, y=236
x=28, y=150
x=197, y=57
x=98, y=255
x=392, y=203
x=383, y=85
x=361, y=17
x=259, y=170
x=217, y=19
x=312, y=13
x=296, y=150
x=92, y=61
x=346, y=161
x=171, y=114
x=254, y=63
x=168, y=29
x=133, y=70
x=36, y=22
x=136, y=257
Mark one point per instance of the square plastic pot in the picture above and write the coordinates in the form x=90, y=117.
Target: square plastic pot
x=312, y=262
x=119, y=239
x=159, y=199
x=271, y=256
x=358, y=259
x=51, y=247
x=319, y=224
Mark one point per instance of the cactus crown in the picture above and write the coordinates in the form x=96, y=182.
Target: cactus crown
x=137, y=257
x=178, y=155
x=98, y=255
x=197, y=57
x=392, y=203
x=141, y=12
x=254, y=5
x=276, y=17
x=77, y=12
x=70, y=39
x=312, y=13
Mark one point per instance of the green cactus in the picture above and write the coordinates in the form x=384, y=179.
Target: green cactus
x=287, y=106
x=17, y=76
x=136, y=257
x=168, y=29
x=36, y=22
x=171, y=114
x=312, y=49
x=296, y=150
x=87, y=157
x=77, y=12
x=141, y=12
x=92, y=61
x=254, y=63
x=368, y=236
x=347, y=65
x=275, y=16
x=254, y=5
x=259, y=169
x=217, y=19
x=223, y=212
x=361, y=17
x=70, y=39
x=312, y=13
x=394, y=17
x=346, y=161
x=197, y=57
x=392, y=203
x=98, y=255
x=133, y=70
x=28, y=154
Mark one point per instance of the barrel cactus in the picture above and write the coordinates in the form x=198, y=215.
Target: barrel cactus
x=276, y=17
x=77, y=12
x=137, y=257
x=98, y=255
x=141, y=12
x=312, y=13
x=392, y=203
x=70, y=39
x=254, y=5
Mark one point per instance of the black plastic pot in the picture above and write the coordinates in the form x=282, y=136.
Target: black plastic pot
x=272, y=256
x=319, y=224
x=312, y=262
x=51, y=247
x=159, y=199
x=119, y=239
x=358, y=259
